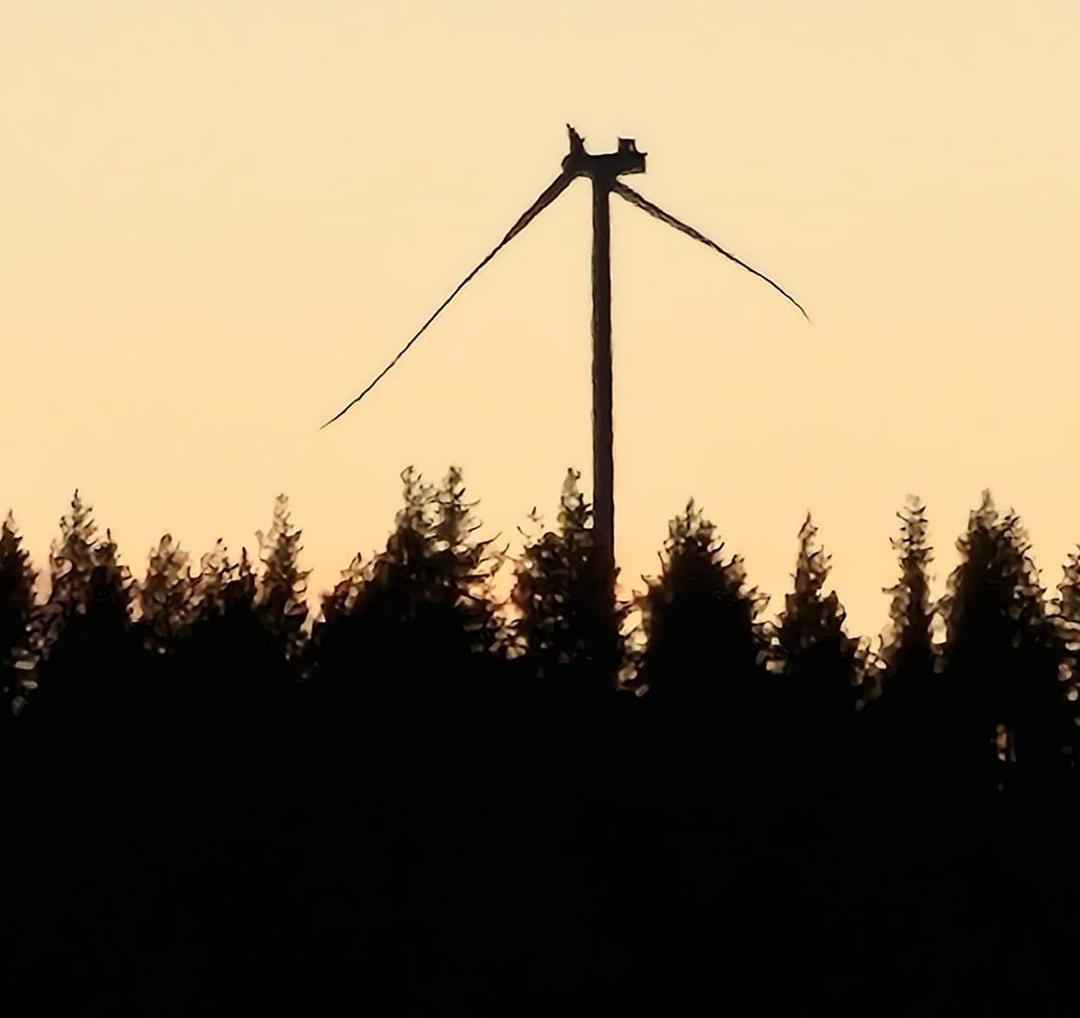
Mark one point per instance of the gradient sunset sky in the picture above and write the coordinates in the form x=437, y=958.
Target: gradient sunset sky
x=219, y=220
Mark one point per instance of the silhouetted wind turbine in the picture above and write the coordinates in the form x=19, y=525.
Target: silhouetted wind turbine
x=603, y=170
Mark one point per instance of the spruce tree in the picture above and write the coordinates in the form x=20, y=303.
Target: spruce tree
x=910, y=641
x=165, y=596
x=565, y=623
x=71, y=561
x=230, y=656
x=282, y=585
x=208, y=584
x=700, y=618
x=17, y=617
x=1067, y=620
x=109, y=593
x=422, y=606
x=1003, y=651
x=339, y=602
x=90, y=597
x=819, y=661
x=908, y=650
x=469, y=563
x=90, y=653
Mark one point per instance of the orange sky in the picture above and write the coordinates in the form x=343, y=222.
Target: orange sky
x=218, y=220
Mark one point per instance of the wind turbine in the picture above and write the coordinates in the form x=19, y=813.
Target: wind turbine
x=603, y=169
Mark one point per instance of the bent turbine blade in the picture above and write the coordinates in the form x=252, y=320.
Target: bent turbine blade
x=557, y=186
x=634, y=198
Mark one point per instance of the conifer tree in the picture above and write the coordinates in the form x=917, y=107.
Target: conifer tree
x=701, y=619
x=223, y=602
x=1003, y=652
x=908, y=652
x=231, y=654
x=90, y=595
x=208, y=585
x=239, y=592
x=282, y=585
x=71, y=561
x=909, y=646
x=468, y=562
x=17, y=616
x=90, y=652
x=340, y=600
x=109, y=593
x=433, y=572
x=423, y=603
x=814, y=652
x=1067, y=620
x=165, y=595
x=565, y=623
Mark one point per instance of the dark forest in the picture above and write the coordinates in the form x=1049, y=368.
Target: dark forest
x=416, y=797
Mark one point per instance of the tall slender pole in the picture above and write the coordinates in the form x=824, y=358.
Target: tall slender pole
x=603, y=453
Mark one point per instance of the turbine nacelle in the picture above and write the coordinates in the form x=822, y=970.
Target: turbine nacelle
x=604, y=165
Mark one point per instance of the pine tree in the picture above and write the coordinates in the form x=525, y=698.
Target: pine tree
x=1003, y=652
x=282, y=585
x=91, y=662
x=340, y=601
x=71, y=561
x=909, y=645
x=422, y=605
x=90, y=595
x=813, y=650
x=232, y=657
x=165, y=595
x=17, y=616
x=468, y=562
x=701, y=620
x=223, y=587
x=239, y=594
x=108, y=601
x=908, y=651
x=208, y=585
x=1067, y=620
x=565, y=623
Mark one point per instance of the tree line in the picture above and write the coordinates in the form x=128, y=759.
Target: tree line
x=465, y=802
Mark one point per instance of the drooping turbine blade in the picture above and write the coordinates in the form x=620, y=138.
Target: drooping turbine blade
x=654, y=210
x=557, y=186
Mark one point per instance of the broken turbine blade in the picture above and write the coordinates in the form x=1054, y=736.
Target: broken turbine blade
x=553, y=190
x=557, y=186
x=630, y=195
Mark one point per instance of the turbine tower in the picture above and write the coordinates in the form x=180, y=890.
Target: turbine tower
x=603, y=169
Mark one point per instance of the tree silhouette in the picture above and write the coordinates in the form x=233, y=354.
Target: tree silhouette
x=437, y=798
x=1068, y=621
x=225, y=592
x=701, y=621
x=17, y=617
x=165, y=596
x=565, y=624
x=910, y=643
x=91, y=652
x=282, y=585
x=912, y=695
x=819, y=661
x=71, y=561
x=90, y=597
x=236, y=668
x=422, y=605
x=469, y=563
x=1003, y=652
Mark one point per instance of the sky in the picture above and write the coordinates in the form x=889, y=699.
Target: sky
x=219, y=219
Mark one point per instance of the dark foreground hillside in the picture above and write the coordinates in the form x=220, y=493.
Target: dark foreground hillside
x=422, y=807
